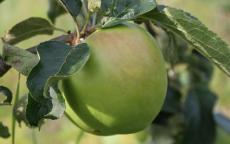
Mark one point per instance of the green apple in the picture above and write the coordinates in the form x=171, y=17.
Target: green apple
x=122, y=87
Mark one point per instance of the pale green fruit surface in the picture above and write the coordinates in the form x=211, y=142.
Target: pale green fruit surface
x=122, y=87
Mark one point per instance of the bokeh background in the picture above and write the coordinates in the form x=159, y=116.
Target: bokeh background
x=213, y=13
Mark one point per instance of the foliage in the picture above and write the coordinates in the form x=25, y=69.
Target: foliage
x=46, y=64
x=7, y=93
x=197, y=34
x=28, y=28
x=4, y=132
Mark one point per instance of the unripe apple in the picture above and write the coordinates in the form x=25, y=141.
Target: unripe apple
x=122, y=87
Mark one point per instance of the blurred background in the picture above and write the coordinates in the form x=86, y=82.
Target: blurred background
x=213, y=13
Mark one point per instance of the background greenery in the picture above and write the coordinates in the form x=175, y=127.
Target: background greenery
x=214, y=13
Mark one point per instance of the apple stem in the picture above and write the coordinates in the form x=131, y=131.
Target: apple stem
x=77, y=33
x=13, y=117
x=86, y=24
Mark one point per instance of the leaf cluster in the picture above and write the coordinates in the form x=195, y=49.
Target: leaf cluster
x=47, y=63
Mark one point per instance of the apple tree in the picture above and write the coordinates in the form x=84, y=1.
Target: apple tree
x=118, y=70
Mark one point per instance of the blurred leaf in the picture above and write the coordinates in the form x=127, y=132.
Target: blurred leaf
x=168, y=133
x=200, y=69
x=172, y=103
x=171, y=106
x=72, y=6
x=162, y=118
x=55, y=10
x=222, y=121
x=19, y=110
x=200, y=125
x=196, y=33
x=3, y=67
x=7, y=93
x=226, y=7
x=23, y=61
x=120, y=10
x=1, y=1
x=175, y=49
x=4, y=131
x=57, y=61
x=28, y=28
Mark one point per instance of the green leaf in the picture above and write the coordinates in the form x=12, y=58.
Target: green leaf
x=57, y=61
x=120, y=10
x=23, y=61
x=28, y=28
x=1, y=1
x=72, y=6
x=7, y=93
x=52, y=108
x=4, y=131
x=55, y=10
x=200, y=124
x=193, y=31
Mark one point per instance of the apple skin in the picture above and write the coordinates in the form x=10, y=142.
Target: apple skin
x=122, y=87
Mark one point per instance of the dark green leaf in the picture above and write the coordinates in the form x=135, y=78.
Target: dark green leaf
x=52, y=108
x=171, y=106
x=172, y=101
x=222, y=121
x=7, y=93
x=55, y=10
x=3, y=67
x=199, y=105
x=36, y=111
x=23, y=61
x=27, y=29
x=57, y=61
x=1, y=1
x=4, y=131
x=196, y=33
x=119, y=10
x=72, y=6
x=168, y=133
x=199, y=68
